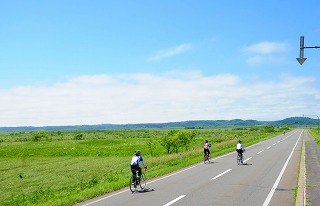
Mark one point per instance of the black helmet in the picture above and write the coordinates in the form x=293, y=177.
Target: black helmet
x=206, y=141
x=240, y=141
x=137, y=152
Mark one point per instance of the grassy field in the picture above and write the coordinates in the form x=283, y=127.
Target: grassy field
x=65, y=167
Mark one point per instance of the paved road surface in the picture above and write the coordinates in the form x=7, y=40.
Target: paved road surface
x=268, y=177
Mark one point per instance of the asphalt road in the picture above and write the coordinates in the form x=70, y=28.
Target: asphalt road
x=268, y=177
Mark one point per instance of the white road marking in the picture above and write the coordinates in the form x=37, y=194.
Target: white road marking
x=274, y=187
x=247, y=159
x=260, y=152
x=269, y=147
x=274, y=143
x=221, y=174
x=175, y=200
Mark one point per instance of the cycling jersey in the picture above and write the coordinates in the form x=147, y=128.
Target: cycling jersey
x=136, y=159
x=240, y=146
x=206, y=145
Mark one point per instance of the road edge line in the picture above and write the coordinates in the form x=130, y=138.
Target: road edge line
x=300, y=200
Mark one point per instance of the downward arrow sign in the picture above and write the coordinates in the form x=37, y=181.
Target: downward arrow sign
x=301, y=60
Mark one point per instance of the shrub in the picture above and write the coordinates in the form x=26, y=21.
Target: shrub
x=37, y=136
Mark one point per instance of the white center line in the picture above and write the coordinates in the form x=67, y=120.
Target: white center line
x=269, y=147
x=221, y=174
x=274, y=143
x=175, y=200
x=247, y=159
x=260, y=152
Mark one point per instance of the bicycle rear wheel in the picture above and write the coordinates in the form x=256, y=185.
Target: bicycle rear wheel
x=143, y=181
x=238, y=159
x=133, y=185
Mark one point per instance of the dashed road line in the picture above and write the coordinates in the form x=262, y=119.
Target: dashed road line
x=247, y=159
x=260, y=152
x=175, y=200
x=221, y=174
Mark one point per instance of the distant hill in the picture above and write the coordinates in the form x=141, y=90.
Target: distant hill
x=292, y=121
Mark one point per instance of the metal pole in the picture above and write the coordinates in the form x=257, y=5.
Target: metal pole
x=315, y=116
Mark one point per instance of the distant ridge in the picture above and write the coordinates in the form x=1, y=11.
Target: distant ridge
x=292, y=121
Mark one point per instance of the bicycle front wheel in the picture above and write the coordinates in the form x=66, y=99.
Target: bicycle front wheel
x=143, y=181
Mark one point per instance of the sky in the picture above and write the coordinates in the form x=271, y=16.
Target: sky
x=91, y=62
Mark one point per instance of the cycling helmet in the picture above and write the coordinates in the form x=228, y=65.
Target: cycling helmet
x=137, y=152
x=206, y=141
x=239, y=141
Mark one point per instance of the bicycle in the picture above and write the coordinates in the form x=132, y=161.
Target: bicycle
x=206, y=158
x=239, y=159
x=135, y=183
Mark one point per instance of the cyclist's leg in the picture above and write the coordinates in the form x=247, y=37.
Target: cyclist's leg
x=133, y=171
x=139, y=171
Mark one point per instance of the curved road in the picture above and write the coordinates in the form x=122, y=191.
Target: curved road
x=268, y=177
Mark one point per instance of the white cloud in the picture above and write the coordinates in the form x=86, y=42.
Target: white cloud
x=265, y=53
x=266, y=47
x=171, y=52
x=146, y=98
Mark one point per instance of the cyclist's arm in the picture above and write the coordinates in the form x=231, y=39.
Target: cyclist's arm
x=142, y=162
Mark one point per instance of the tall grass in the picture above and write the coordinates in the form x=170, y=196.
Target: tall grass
x=71, y=166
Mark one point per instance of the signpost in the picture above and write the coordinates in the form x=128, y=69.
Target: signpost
x=301, y=59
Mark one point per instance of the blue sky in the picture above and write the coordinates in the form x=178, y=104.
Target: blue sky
x=95, y=62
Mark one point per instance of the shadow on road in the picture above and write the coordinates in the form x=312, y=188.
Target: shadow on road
x=145, y=190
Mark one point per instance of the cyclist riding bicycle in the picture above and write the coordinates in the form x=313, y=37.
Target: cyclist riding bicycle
x=240, y=149
x=136, y=159
x=206, y=147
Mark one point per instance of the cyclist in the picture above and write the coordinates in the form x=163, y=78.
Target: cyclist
x=136, y=159
x=240, y=149
x=206, y=147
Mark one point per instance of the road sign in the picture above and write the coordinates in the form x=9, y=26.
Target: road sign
x=301, y=59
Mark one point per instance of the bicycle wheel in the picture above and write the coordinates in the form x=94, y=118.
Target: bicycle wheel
x=205, y=159
x=238, y=159
x=133, y=185
x=143, y=181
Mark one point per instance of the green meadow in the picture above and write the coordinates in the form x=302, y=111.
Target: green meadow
x=66, y=167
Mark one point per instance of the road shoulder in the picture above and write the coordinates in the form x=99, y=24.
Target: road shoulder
x=312, y=156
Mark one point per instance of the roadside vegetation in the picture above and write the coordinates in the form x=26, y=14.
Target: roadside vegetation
x=316, y=135
x=65, y=167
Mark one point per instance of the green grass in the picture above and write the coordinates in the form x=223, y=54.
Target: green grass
x=315, y=133
x=60, y=170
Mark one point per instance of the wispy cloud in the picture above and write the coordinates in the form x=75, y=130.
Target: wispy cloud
x=170, y=52
x=265, y=52
x=144, y=98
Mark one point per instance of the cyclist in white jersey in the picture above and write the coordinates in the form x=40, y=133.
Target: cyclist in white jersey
x=206, y=147
x=135, y=163
x=240, y=149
